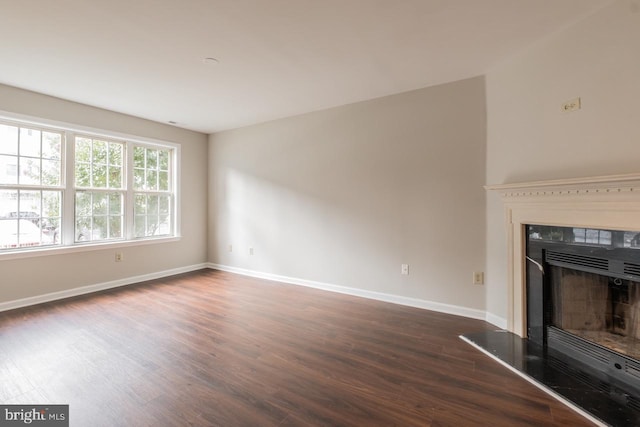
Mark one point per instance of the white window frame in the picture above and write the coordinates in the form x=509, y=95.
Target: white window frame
x=68, y=243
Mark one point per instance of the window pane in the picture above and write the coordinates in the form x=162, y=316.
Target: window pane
x=99, y=204
x=115, y=204
x=8, y=139
x=51, y=230
x=83, y=175
x=51, y=172
x=138, y=157
x=99, y=176
x=100, y=152
x=51, y=145
x=152, y=159
x=152, y=180
x=163, y=160
x=83, y=150
x=51, y=204
x=152, y=205
x=152, y=226
x=29, y=142
x=140, y=226
x=29, y=234
x=99, y=231
x=8, y=169
x=115, y=227
x=30, y=205
x=115, y=177
x=165, y=225
x=8, y=233
x=29, y=171
x=164, y=205
x=53, y=225
x=163, y=178
x=83, y=229
x=8, y=203
x=138, y=179
x=140, y=207
x=83, y=204
x=115, y=154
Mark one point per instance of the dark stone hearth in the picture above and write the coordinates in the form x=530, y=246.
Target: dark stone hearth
x=566, y=377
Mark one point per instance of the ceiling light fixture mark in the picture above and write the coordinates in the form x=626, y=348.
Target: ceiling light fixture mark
x=210, y=61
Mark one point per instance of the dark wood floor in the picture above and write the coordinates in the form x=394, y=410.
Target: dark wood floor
x=217, y=349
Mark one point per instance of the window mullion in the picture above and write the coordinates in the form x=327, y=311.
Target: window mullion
x=69, y=192
x=129, y=193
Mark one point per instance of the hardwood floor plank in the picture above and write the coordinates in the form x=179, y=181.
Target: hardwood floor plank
x=211, y=348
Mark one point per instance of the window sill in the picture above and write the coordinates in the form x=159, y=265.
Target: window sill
x=82, y=247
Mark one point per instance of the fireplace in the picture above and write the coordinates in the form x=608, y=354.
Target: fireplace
x=583, y=298
x=594, y=203
x=572, y=279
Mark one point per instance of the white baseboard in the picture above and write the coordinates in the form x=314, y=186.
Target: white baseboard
x=500, y=322
x=39, y=299
x=395, y=299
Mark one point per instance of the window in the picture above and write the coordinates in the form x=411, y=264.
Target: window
x=59, y=187
x=30, y=186
x=99, y=184
x=151, y=183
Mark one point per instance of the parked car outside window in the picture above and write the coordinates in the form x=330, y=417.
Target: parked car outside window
x=19, y=233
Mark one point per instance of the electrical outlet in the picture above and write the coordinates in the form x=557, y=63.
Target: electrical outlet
x=250, y=251
x=404, y=269
x=478, y=278
x=119, y=257
x=230, y=248
x=571, y=105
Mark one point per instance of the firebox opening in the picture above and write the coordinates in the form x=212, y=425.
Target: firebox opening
x=583, y=300
x=601, y=309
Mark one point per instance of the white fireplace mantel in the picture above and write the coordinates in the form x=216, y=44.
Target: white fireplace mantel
x=604, y=202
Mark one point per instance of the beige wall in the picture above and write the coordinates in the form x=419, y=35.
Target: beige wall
x=346, y=195
x=530, y=138
x=29, y=277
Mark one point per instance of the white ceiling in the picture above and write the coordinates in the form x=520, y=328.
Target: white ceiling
x=277, y=58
